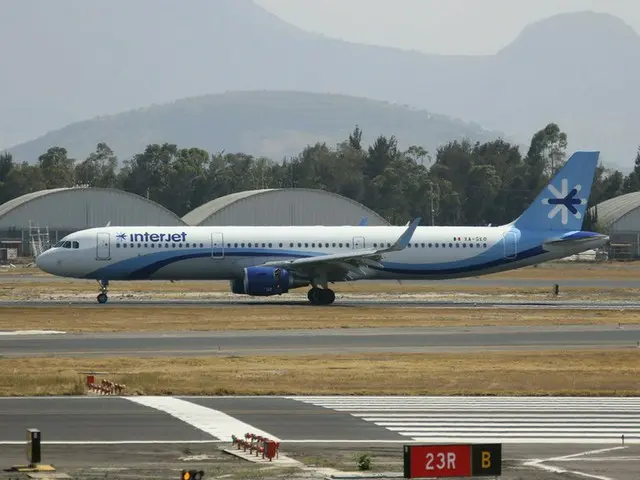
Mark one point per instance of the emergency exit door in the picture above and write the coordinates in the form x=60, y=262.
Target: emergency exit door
x=217, y=245
x=358, y=243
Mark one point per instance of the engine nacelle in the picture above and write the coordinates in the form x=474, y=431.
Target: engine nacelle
x=265, y=281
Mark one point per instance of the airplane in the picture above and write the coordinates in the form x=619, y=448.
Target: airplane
x=272, y=260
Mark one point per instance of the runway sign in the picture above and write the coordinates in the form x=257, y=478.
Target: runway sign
x=454, y=460
x=486, y=460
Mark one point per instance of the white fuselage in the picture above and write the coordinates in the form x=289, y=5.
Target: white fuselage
x=217, y=253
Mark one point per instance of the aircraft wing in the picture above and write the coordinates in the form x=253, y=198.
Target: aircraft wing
x=347, y=265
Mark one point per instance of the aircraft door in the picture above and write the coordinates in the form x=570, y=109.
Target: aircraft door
x=510, y=245
x=217, y=245
x=358, y=243
x=103, y=247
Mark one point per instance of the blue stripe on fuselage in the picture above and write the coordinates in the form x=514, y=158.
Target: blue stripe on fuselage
x=143, y=266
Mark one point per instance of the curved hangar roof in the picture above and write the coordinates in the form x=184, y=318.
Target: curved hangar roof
x=621, y=212
x=286, y=206
x=77, y=208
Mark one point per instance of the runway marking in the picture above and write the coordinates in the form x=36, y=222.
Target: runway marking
x=31, y=332
x=581, y=420
x=213, y=422
x=110, y=442
x=540, y=463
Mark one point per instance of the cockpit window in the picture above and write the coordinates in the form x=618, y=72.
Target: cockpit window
x=75, y=244
x=59, y=244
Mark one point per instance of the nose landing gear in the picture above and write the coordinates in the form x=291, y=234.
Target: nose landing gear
x=102, y=296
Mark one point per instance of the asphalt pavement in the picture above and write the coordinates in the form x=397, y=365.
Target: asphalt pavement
x=321, y=341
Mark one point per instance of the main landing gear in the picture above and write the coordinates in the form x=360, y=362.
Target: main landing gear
x=102, y=296
x=321, y=296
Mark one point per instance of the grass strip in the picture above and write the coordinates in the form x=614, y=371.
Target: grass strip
x=94, y=318
x=578, y=372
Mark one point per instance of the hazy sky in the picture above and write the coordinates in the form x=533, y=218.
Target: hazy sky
x=436, y=26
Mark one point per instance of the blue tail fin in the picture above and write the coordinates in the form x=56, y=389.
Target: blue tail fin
x=562, y=203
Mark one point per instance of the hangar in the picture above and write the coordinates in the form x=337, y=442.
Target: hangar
x=619, y=217
x=282, y=206
x=33, y=221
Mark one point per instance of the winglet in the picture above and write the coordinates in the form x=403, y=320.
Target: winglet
x=405, y=238
x=363, y=221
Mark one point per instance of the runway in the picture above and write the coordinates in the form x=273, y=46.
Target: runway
x=321, y=341
x=296, y=420
x=352, y=301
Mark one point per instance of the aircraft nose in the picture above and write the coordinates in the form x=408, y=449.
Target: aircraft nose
x=46, y=262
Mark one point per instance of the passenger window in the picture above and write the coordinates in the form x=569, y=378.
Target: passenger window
x=201, y=245
x=347, y=245
x=139, y=245
x=146, y=245
x=124, y=245
x=117, y=245
x=340, y=245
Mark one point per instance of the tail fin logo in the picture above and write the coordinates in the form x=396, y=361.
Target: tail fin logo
x=564, y=198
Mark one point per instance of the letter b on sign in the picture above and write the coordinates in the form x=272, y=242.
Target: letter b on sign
x=486, y=460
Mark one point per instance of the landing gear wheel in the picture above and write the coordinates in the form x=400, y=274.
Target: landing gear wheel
x=102, y=296
x=329, y=296
x=313, y=295
x=318, y=296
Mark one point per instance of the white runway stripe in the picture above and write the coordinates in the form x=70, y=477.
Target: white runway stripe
x=214, y=422
x=496, y=419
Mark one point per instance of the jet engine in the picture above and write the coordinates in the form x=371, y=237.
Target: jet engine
x=265, y=281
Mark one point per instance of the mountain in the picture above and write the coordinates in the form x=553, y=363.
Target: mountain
x=70, y=60
x=274, y=124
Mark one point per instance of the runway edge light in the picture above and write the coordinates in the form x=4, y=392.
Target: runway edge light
x=34, y=454
x=192, y=475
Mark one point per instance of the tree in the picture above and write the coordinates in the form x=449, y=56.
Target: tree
x=57, y=168
x=632, y=182
x=99, y=169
